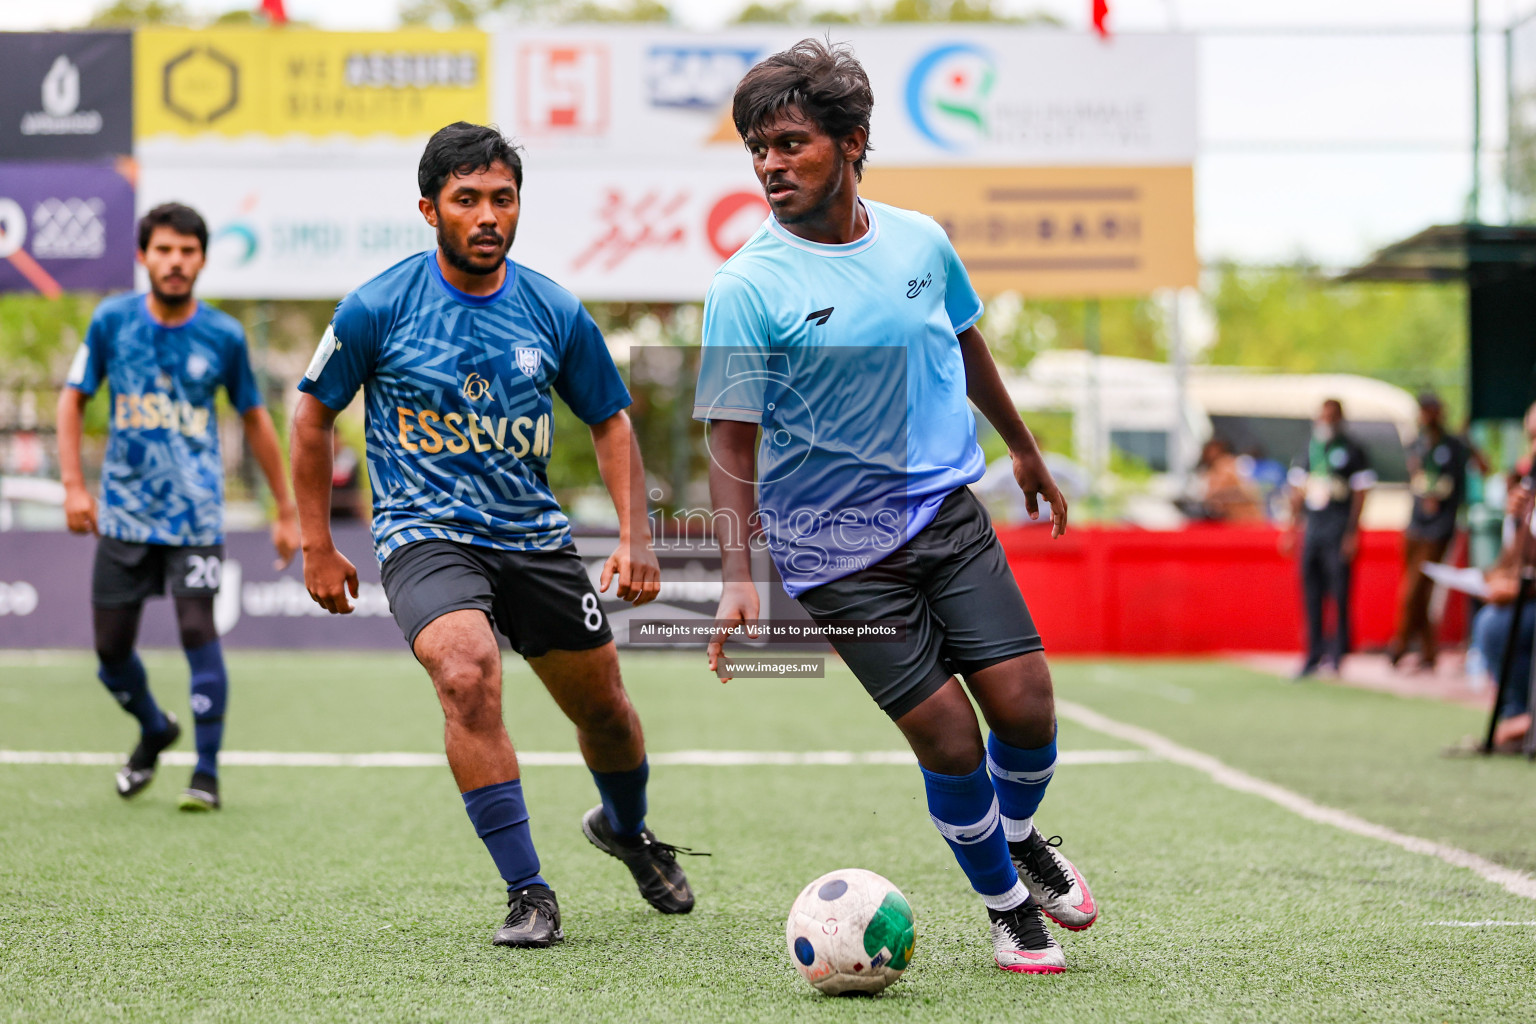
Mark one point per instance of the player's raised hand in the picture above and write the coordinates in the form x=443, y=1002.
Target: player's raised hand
x=285, y=538
x=330, y=578
x=638, y=573
x=80, y=510
x=1035, y=480
x=738, y=606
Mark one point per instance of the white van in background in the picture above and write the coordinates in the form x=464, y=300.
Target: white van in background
x=1133, y=406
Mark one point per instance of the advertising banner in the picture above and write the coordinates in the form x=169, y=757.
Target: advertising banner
x=45, y=595
x=68, y=95
x=65, y=226
x=292, y=232
x=993, y=96
x=236, y=82
x=1057, y=231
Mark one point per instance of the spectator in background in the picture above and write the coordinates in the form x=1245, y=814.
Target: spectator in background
x=1225, y=492
x=1491, y=626
x=1437, y=478
x=1328, y=491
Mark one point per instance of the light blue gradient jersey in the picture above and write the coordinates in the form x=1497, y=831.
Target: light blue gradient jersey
x=458, y=410
x=847, y=356
x=162, y=480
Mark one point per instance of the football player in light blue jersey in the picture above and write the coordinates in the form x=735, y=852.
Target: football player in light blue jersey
x=164, y=356
x=842, y=334
x=457, y=351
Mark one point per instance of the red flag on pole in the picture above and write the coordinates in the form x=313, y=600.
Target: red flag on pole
x=273, y=9
x=1100, y=17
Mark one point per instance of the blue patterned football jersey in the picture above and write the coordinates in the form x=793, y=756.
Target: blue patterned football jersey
x=457, y=400
x=162, y=481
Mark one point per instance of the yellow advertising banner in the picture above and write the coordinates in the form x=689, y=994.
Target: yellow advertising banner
x=1057, y=232
x=280, y=82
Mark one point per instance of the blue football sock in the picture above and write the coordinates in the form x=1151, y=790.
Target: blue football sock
x=210, y=693
x=501, y=821
x=623, y=796
x=964, y=810
x=1020, y=777
x=127, y=681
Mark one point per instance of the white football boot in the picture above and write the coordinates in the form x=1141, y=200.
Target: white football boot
x=1021, y=943
x=1053, y=881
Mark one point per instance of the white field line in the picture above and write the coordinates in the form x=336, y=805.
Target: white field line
x=1517, y=882
x=557, y=759
x=1490, y=923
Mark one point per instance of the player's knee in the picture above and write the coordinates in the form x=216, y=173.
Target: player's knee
x=607, y=713
x=470, y=693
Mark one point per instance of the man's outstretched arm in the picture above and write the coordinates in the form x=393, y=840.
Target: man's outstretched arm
x=633, y=561
x=262, y=437
x=984, y=386
x=328, y=575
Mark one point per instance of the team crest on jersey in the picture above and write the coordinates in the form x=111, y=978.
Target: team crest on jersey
x=197, y=365
x=529, y=360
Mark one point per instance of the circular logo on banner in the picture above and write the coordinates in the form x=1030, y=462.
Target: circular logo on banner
x=13, y=228
x=732, y=220
x=947, y=95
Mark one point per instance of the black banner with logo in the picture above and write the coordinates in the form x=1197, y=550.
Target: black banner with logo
x=66, y=95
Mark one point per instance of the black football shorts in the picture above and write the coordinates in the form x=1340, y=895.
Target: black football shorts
x=952, y=587
x=126, y=572
x=539, y=600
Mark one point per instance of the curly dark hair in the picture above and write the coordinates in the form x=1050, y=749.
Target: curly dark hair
x=825, y=83
x=463, y=148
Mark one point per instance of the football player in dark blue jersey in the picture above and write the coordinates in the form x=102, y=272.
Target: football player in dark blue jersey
x=457, y=351
x=163, y=356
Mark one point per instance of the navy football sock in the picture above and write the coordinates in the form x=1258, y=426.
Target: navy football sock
x=210, y=693
x=623, y=796
x=501, y=821
x=964, y=810
x=127, y=681
x=1020, y=777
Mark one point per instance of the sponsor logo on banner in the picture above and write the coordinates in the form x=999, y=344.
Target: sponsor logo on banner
x=230, y=82
x=695, y=77
x=64, y=226
x=563, y=89
x=67, y=95
x=732, y=220
x=651, y=220
x=959, y=98
x=949, y=94
x=61, y=113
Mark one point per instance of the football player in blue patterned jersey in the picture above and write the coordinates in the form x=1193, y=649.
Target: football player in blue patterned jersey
x=457, y=351
x=163, y=356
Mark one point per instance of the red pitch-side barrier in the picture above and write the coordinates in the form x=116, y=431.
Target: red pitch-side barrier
x=1200, y=590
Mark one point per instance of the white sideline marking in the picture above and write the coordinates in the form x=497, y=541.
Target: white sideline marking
x=555, y=759
x=1490, y=923
x=1517, y=882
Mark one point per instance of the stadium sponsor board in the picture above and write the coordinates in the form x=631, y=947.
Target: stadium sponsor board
x=294, y=232
x=951, y=95
x=1057, y=231
x=237, y=82
x=68, y=95
x=45, y=592
x=65, y=226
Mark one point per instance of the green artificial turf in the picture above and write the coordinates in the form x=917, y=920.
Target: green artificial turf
x=362, y=894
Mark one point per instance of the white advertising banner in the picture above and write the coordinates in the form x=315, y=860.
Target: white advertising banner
x=993, y=96
x=294, y=232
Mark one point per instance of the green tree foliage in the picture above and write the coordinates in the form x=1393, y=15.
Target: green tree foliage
x=1293, y=319
x=467, y=13
x=893, y=11
x=133, y=13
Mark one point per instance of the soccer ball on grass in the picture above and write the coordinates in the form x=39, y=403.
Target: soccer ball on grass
x=850, y=931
